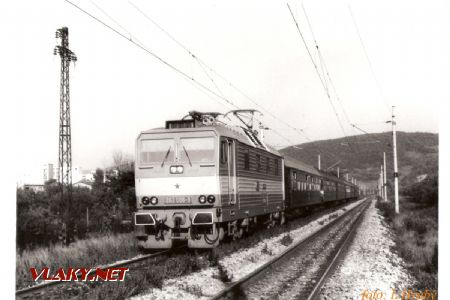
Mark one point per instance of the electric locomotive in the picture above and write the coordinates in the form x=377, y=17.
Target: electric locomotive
x=199, y=180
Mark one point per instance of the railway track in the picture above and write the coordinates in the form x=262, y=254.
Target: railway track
x=300, y=271
x=43, y=290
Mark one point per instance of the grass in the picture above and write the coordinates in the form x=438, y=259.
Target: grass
x=416, y=238
x=151, y=275
x=90, y=252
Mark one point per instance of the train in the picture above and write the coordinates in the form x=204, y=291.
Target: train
x=200, y=179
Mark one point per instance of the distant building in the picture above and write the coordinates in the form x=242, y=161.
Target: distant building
x=83, y=184
x=36, y=177
x=34, y=187
x=78, y=174
x=50, y=172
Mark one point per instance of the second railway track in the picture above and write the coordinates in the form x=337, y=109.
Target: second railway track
x=300, y=271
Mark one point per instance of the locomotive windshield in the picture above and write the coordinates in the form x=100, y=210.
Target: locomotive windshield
x=198, y=149
x=157, y=151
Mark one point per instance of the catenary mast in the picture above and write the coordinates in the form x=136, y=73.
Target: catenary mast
x=65, y=143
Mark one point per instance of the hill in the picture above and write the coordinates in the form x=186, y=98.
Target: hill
x=362, y=155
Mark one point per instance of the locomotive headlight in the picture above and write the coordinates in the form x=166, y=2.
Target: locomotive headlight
x=154, y=200
x=202, y=199
x=145, y=200
x=176, y=169
x=211, y=199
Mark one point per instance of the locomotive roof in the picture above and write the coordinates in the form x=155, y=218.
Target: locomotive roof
x=235, y=132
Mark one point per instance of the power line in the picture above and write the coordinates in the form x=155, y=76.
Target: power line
x=327, y=73
x=184, y=75
x=377, y=83
x=318, y=74
x=202, y=63
x=133, y=40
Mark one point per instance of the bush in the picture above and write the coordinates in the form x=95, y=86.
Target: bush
x=425, y=192
x=41, y=215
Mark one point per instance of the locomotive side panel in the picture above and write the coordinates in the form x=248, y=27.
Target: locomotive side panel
x=259, y=180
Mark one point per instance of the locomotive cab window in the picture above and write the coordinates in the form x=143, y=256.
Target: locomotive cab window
x=196, y=149
x=157, y=151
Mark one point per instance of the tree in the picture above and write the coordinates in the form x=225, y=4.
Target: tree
x=98, y=178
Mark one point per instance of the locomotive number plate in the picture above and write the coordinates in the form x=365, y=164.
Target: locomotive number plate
x=178, y=200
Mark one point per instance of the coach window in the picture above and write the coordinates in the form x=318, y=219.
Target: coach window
x=295, y=175
x=223, y=152
x=258, y=162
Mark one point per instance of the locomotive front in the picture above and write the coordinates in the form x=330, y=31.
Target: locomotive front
x=177, y=187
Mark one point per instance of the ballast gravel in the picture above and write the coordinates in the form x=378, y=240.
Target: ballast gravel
x=370, y=270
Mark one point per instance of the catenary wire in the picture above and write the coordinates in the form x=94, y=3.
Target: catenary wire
x=202, y=63
x=377, y=83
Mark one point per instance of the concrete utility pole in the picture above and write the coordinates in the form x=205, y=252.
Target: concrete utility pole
x=65, y=143
x=318, y=162
x=384, y=177
x=381, y=182
x=337, y=172
x=394, y=141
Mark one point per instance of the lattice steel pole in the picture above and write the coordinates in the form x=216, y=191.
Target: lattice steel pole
x=65, y=143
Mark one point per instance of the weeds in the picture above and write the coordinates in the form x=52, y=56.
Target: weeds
x=86, y=253
x=286, y=240
x=223, y=274
x=416, y=238
x=213, y=259
x=333, y=216
x=266, y=250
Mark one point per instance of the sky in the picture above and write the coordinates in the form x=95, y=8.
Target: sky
x=118, y=89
